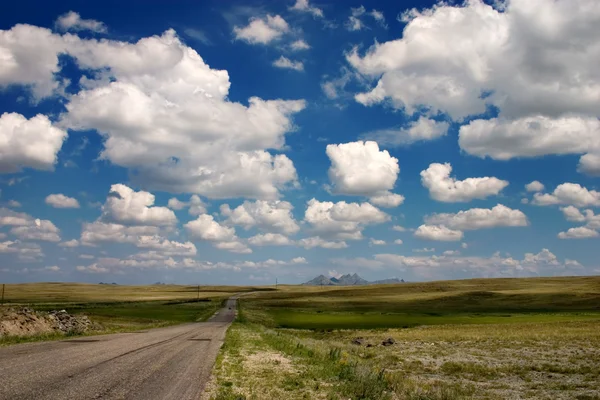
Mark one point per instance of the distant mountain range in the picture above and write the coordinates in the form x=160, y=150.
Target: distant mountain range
x=348, y=280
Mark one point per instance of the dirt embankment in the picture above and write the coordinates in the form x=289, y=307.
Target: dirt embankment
x=27, y=322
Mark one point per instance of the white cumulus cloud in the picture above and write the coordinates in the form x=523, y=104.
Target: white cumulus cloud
x=270, y=239
x=443, y=187
x=480, y=218
x=59, y=200
x=439, y=233
x=342, y=220
x=262, y=30
x=535, y=186
x=423, y=129
x=581, y=232
x=360, y=168
x=126, y=206
x=206, y=228
x=28, y=143
x=268, y=216
x=195, y=204
x=568, y=194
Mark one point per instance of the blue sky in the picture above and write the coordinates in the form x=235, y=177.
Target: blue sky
x=239, y=142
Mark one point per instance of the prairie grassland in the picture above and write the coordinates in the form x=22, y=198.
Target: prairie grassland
x=483, y=339
x=31, y=293
x=116, y=308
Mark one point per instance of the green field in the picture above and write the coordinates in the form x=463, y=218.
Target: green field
x=477, y=301
x=329, y=321
x=484, y=338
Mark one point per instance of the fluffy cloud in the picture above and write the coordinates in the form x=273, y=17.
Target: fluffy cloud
x=299, y=45
x=268, y=216
x=360, y=168
x=166, y=247
x=591, y=219
x=72, y=21
x=423, y=129
x=453, y=265
x=387, y=199
x=316, y=241
x=262, y=30
x=206, y=228
x=37, y=229
x=270, y=239
x=573, y=214
x=342, y=220
x=24, y=251
x=503, y=139
x=589, y=164
x=142, y=261
x=581, y=232
x=61, y=201
x=479, y=218
x=534, y=67
x=170, y=119
x=568, y=193
x=223, y=237
x=286, y=63
x=439, y=62
x=439, y=233
x=126, y=206
x=376, y=242
x=99, y=232
x=13, y=218
x=30, y=57
x=535, y=186
x=26, y=227
x=32, y=143
x=304, y=6
x=444, y=188
x=70, y=243
x=196, y=205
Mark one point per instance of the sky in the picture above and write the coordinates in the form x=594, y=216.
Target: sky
x=242, y=142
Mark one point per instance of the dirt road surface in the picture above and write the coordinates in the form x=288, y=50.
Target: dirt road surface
x=164, y=363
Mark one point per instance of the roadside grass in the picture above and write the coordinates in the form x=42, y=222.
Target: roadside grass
x=530, y=360
x=482, y=339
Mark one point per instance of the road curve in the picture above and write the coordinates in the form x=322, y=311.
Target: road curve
x=164, y=363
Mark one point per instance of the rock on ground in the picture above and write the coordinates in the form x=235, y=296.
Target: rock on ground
x=27, y=322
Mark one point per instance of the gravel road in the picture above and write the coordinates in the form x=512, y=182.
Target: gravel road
x=163, y=363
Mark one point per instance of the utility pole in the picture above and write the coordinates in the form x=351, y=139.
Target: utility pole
x=275, y=283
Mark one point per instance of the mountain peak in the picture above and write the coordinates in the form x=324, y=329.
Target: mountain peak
x=348, y=280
